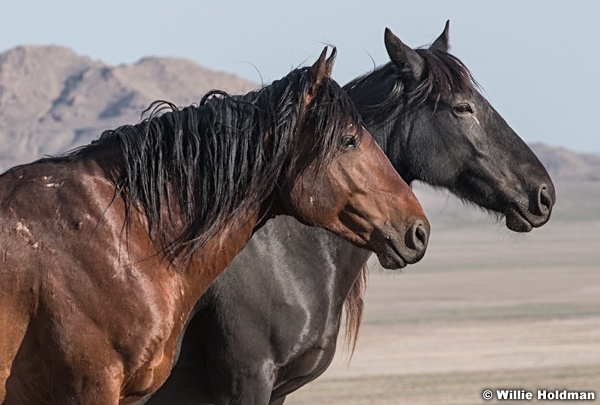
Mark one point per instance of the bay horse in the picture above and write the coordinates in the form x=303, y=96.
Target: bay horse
x=270, y=323
x=106, y=250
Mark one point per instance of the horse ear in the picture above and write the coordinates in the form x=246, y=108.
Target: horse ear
x=318, y=72
x=330, y=61
x=442, y=43
x=404, y=57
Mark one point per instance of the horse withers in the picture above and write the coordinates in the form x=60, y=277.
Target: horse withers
x=270, y=323
x=106, y=249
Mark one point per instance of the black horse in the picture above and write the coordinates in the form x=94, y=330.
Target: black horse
x=270, y=323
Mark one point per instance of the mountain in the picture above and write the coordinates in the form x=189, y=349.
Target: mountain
x=52, y=99
x=568, y=165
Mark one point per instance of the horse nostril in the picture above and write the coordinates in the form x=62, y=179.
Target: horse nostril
x=417, y=237
x=544, y=200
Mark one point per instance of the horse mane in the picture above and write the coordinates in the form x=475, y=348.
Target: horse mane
x=205, y=165
x=443, y=75
x=354, y=306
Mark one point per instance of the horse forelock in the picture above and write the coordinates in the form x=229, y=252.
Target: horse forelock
x=443, y=76
x=332, y=113
x=207, y=163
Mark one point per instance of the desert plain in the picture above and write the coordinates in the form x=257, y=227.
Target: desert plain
x=485, y=309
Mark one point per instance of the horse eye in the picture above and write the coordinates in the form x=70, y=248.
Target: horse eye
x=349, y=141
x=463, y=109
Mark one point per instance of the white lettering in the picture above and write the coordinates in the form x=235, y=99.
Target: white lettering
x=514, y=395
x=545, y=395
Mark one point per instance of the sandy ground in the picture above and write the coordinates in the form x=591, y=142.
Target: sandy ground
x=484, y=310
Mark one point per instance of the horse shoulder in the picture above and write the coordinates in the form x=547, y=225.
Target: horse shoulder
x=69, y=263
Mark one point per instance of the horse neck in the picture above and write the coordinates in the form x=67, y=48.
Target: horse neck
x=336, y=265
x=210, y=260
x=340, y=270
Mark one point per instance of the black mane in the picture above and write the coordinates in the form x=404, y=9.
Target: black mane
x=443, y=75
x=203, y=165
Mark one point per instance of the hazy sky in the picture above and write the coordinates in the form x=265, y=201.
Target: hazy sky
x=536, y=60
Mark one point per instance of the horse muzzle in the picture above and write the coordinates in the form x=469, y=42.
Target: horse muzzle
x=395, y=250
x=521, y=218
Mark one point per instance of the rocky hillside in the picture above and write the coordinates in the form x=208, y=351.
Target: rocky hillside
x=52, y=99
x=568, y=165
